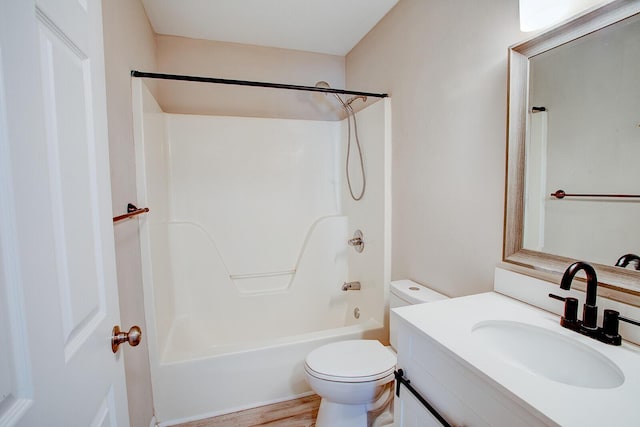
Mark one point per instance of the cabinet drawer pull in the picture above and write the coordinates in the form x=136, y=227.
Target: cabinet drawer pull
x=400, y=379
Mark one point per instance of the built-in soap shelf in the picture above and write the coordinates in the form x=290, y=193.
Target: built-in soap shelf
x=257, y=275
x=261, y=283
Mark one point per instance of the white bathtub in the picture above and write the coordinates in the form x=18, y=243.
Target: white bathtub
x=220, y=380
x=244, y=252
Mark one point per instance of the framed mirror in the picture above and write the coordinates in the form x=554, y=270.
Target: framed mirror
x=574, y=126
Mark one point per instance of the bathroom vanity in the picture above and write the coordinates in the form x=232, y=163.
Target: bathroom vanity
x=490, y=360
x=497, y=360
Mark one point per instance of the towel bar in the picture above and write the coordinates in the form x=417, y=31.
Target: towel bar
x=132, y=211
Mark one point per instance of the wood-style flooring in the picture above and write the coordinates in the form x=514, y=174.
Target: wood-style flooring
x=292, y=413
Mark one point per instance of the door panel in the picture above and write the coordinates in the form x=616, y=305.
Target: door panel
x=66, y=85
x=56, y=234
x=105, y=416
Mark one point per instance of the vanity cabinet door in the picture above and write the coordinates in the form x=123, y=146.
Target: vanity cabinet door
x=409, y=412
x=460, y=395
x=417, y=361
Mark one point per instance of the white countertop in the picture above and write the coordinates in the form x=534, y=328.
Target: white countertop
x=450, y=323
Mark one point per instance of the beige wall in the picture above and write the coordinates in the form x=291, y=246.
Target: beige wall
x=444, y=63
x=180, y=55
x=129, y=43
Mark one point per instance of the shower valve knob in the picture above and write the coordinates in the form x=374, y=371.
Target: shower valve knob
x=356, y=241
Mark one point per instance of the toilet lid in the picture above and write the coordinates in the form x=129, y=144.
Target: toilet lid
x=351, y=361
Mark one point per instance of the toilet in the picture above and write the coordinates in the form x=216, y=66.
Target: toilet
x=352, y=377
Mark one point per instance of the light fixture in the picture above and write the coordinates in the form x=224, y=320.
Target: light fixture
x=538, y=14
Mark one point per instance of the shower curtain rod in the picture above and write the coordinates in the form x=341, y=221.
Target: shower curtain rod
x=143, y=74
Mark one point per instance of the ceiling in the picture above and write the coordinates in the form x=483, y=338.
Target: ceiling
x=323, y=26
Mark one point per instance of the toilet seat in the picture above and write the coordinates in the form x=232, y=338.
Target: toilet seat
x=351, y=361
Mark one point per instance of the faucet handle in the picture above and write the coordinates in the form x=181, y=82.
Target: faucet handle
x=357, y=241
x=610, y=322
x=570, y=318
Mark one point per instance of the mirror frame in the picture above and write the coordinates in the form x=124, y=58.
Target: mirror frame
x=615, y=282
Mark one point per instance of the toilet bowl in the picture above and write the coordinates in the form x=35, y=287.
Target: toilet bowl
x=349, y=376
x=353, y=377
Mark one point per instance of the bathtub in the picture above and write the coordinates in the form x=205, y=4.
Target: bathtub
x=244, y=252
x=221, y=380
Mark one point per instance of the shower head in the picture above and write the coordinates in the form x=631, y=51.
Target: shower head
x=324, y=85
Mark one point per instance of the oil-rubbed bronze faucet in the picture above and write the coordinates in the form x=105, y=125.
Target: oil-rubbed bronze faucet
x=589, y=324
x=625, y=260
x=590, y=309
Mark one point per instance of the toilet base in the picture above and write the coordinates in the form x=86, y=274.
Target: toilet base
x=333, y=414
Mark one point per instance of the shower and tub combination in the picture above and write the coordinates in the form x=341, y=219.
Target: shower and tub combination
x=250, y=241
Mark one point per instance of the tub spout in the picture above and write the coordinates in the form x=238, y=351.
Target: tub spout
x=351, y=286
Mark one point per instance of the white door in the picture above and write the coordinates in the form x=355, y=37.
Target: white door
x=58, y=296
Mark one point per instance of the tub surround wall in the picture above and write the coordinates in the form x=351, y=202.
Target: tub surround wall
x=254, y=229
x=445, y=65
x=372, y=214
x=257, y=188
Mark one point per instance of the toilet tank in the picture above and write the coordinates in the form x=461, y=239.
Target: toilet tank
x=408, y=292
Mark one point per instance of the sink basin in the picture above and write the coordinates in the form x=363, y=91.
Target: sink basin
x=547, y=354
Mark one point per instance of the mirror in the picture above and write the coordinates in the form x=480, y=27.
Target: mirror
x=574, y=125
